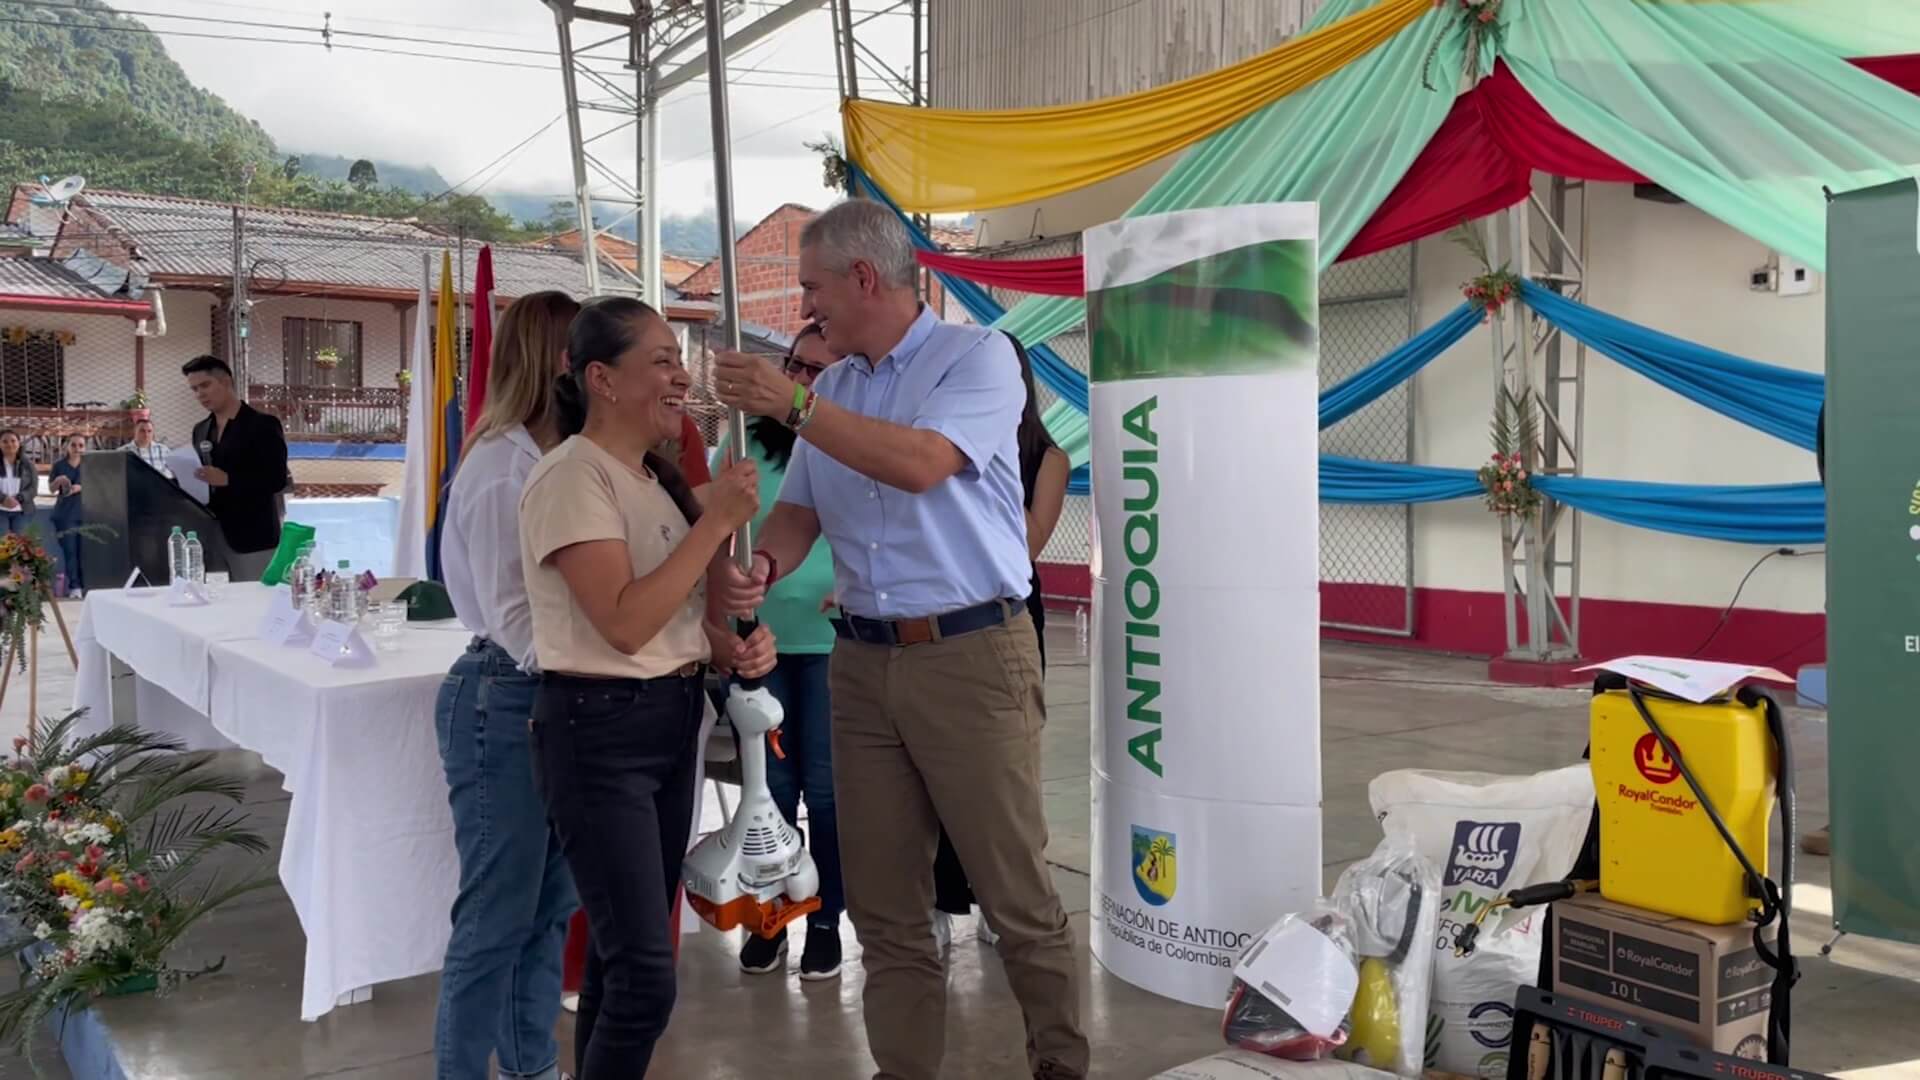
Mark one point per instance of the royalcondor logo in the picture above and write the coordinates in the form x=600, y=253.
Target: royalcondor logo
x=1483, y=853
x=1654, y=762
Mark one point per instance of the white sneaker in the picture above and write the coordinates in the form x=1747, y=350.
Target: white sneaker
x=987, y=936
x=942, y=931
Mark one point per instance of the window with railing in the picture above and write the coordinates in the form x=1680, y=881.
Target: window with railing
x=33, y=369
x=321, y=352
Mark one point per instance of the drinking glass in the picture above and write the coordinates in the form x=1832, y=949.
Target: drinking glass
x=216, y=581
x=388, y=619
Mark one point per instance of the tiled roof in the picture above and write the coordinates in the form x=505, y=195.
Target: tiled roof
x=26, y=276
x=194, y=238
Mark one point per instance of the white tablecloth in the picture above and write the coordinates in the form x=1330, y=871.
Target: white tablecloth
x=368, y=857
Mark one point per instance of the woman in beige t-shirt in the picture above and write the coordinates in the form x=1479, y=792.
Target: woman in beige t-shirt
x=617, y=551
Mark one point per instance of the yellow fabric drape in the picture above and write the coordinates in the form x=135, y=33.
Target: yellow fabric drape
x=950, y=160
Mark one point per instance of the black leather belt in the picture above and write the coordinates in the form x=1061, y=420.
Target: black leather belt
x=897, y=632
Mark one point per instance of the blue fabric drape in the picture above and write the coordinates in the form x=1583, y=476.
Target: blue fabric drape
x=1358, y=481
x=1780, y=401
x=1743, y=513
x=1365, y=386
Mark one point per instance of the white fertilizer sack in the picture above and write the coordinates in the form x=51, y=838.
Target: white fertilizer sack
x=1247, y=1065
x=1489, y=835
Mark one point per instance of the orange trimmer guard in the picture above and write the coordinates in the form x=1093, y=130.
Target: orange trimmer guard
x=764, y=920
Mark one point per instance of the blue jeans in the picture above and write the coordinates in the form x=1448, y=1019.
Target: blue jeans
x=799, y=682
x=500, y=986
x=70, y=555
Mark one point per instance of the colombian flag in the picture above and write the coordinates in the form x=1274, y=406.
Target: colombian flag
x=443, y=440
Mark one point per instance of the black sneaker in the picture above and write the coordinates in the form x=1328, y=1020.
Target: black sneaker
x=821, y=958
x=764, y=956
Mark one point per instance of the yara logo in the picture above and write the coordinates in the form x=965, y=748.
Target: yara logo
x=1483, y=853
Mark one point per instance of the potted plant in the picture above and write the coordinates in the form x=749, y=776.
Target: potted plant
x=404, y=377
x=103, y=869
x=137, y=405
x=326, y=358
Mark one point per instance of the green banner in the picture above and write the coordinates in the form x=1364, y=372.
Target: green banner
x=1241, y=312
x=1873, y=557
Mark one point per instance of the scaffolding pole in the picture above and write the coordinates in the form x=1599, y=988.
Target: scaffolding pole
x=729, y=254
x=1540, y=554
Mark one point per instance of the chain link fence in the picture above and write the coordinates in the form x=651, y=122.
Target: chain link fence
x=1366, y=552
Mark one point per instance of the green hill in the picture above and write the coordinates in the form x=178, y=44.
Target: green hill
x=90, y=55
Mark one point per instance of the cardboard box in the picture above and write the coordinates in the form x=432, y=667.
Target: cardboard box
x=1706, y=985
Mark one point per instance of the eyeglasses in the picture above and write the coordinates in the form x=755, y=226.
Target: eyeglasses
x=796, y=366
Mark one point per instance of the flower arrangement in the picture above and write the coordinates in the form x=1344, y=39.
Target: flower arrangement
x=1481, y=20
x=26, y=588
x=1509, y=486
x=1491, y=289
x=101, y=872
x=137, y=400
x=834, y=173
x=327, y=357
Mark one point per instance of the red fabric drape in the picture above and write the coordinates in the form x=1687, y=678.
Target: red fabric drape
x=1481, y=160
x=1051, y=277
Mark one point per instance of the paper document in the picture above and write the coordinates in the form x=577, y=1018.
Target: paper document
x=1697, y=681
x=183, y=461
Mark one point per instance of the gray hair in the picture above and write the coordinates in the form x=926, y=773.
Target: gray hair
x=864, y=231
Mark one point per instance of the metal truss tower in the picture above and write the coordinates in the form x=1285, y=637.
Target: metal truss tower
x=1546, y=242
x=616, y=67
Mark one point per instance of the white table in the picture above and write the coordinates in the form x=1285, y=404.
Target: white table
x=368, y=858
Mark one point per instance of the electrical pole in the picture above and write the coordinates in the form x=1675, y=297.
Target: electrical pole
x=238, y=352
x=460, y=357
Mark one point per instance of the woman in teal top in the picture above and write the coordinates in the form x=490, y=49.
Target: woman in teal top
x=796, y=611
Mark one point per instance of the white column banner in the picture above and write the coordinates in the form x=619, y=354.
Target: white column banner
x=1204, y=327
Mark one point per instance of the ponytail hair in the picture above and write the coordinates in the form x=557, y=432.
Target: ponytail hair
x=605, y=328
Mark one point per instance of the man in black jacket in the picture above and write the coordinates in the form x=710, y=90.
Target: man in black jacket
x=243, y=459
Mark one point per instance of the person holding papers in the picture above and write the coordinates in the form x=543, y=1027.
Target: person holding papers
x=500, y=984
x=19, y=482
x=243, y=463
x=616, y=551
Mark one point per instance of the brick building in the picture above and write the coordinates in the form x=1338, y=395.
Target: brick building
x=769, y=269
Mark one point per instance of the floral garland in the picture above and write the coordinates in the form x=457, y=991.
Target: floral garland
x=1508, y=484
x=1481, y=18
x=102, y=870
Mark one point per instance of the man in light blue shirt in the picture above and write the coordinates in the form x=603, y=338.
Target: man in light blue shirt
x=907, y=463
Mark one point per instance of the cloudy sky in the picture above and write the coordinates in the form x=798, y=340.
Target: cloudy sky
x=460, y=117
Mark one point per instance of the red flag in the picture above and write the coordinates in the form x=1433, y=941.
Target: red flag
x=482, y=336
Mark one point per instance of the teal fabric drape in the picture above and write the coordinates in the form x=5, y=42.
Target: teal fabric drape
x=1745, y=110
x=1343, y=142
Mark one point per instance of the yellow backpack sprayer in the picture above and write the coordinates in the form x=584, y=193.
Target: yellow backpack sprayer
x=1683, y=795
x=754, y=872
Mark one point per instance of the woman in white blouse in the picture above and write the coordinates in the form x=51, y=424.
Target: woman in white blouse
x=500, y=985
x=19, y=483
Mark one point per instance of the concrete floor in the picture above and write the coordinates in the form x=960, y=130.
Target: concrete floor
x=1854, y=1014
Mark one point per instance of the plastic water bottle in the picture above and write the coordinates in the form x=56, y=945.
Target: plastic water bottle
x=341, y=602
x=196, y=560
x=1080, y=627
x=176, y=555
x=300, y=578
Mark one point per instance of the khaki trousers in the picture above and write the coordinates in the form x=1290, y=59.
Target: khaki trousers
x=949, y=732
